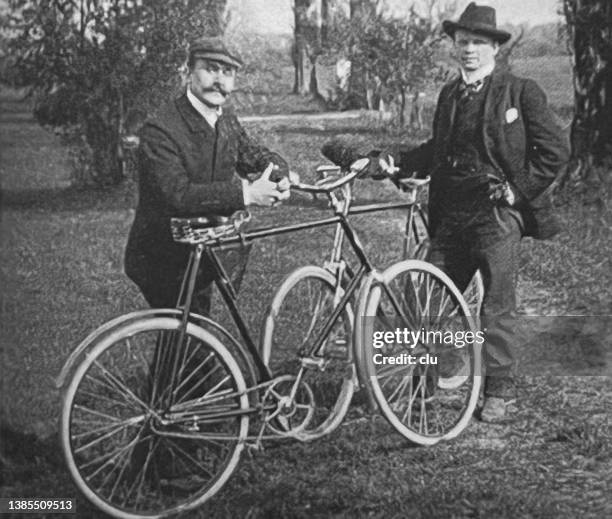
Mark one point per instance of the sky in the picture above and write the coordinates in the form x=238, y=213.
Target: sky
x=275, y=16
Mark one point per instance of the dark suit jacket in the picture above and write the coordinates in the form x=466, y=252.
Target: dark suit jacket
x=522, y=139
x=186, y=169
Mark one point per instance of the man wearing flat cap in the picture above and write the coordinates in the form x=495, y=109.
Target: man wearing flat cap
x=193, y=160
x=495, y=149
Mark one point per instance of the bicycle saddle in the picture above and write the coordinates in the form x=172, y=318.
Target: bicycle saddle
x=200, y=229
x=202, y=222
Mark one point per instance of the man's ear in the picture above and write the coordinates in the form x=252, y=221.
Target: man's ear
x=495, y=48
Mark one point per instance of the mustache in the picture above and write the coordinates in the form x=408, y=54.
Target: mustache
x=218, y=89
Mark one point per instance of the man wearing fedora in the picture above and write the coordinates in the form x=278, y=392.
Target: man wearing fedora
x=495, y=149
x=195, y=159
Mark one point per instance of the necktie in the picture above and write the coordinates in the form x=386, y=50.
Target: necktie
x=465, y=90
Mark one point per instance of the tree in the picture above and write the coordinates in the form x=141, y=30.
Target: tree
x=361, y=13
x=589, y=25
x=301, y=29
x=418, y=22
x=391, y=57
x=89, y=62
x=400, y=54
x=313, y=20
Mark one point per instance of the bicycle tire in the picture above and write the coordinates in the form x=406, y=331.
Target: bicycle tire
x=172, y=466
x=296, y=314
x=411, y=397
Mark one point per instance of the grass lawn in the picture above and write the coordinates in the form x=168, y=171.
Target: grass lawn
x=61, y=266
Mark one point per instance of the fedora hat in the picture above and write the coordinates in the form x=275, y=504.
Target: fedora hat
x=479, y=19
x=213, y=48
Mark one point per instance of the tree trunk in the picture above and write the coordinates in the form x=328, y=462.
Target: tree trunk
x=301, y=83
x=326, y=21
x=313, y=85
x=360, y=12
x=590, y=34
x=103, y=136
x=402, y=118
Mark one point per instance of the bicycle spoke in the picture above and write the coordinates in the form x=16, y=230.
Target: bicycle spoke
x=192, y=375
x=120, y=385
x=125, y=455
x=111, y=459
x=321, y=372
x=121, y=427
x=400, y=388
x=124, y=465
x=97, y=413
x=99, y=396
x=437, y=399
x=200, y=383
x=139, y=481
x=195, y=462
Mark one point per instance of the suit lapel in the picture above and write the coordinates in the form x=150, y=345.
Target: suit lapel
x=451, y=103
x=494, y=97
x=195, y=122
x=448, y=108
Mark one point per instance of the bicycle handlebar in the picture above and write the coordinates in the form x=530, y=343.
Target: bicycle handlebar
x=203, y=229
x=327, y=185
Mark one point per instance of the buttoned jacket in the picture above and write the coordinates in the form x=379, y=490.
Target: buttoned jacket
x=187, y=168
x=523, y=141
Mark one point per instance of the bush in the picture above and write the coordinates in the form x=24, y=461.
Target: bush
x=91, y=63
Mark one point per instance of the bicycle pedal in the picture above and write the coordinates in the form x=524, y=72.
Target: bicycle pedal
x=254, y=447
x=314, y=362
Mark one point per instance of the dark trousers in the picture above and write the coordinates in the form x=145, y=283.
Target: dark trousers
x=485, y=236
x=161, y=289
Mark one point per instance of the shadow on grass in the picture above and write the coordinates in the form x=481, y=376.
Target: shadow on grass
x=70, y=199
x=24, y=456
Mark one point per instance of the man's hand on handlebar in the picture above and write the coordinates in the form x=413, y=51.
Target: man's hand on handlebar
x=265, y=192
x=387, y=166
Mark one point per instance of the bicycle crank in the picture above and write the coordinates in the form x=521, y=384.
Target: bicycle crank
x=295, y=405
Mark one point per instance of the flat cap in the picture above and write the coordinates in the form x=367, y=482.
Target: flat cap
x=213, y=48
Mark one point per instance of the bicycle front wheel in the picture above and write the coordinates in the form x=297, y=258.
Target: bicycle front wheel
x=295, y=318
x=474, y=295
x=421, y=351
x=153, y=421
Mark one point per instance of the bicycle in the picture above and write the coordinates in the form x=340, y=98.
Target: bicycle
x=159, y=404
x=299, y=302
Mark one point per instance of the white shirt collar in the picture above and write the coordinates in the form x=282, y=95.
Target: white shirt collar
x=211, y=115
x=477, y=75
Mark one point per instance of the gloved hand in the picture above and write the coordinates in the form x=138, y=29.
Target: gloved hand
x=381, y=166
x=502, y=192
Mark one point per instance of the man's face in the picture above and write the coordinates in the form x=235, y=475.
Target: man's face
x=212, y=81
x=474, y=51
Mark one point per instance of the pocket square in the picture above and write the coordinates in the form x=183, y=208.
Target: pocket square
x=511, y=115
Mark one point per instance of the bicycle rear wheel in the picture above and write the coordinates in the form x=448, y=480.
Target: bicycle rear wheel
x=427, y=384
x=296, y=316
x=151, y=427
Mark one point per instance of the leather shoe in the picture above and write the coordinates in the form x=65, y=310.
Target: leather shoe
x=496, y=410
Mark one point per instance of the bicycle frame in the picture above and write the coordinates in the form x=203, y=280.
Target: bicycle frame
x=228, y=292
x=414, y=209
